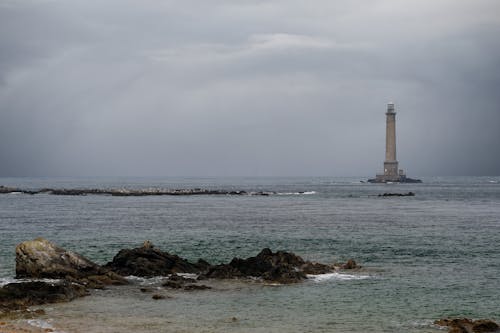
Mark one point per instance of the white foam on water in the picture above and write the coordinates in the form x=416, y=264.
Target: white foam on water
x=297, y=193
x=336, y=276
x=148, y=281
x=188, y=275
x=40, y=323
x=309, y=192
x=43, y=324
x=4, y=281
x=145, y=281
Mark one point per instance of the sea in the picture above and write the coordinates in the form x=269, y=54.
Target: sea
x=423, y=257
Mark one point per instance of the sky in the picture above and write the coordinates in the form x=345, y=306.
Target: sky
x=248, y=87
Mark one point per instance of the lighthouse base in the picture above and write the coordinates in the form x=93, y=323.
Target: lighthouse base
x=393, y=179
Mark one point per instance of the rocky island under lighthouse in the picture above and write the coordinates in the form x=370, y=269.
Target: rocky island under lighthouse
x=391, y=171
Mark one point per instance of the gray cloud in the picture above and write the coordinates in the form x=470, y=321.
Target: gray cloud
x=248, y=87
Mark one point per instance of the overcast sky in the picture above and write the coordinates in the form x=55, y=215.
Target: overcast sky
x=248, y=87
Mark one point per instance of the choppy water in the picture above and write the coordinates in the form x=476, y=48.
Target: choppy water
x=433, y=255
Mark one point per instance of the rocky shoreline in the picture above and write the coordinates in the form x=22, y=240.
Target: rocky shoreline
x=124, y=192
x=72, y=276
x=75, y=275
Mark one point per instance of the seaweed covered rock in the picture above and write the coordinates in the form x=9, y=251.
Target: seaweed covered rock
x=466, y=325
x=148, y=261
x=40, y=258
x=281, y=267
x=20, y=295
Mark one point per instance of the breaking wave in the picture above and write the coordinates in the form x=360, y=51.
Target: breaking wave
x=336, y=276
x=297, y=193
x=4, y=281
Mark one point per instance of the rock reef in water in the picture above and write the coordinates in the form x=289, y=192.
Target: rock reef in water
x=148, y=261
x=40, y=258
x=466, y=325
x=124, y=192
x=409, y=194
x=281, y=267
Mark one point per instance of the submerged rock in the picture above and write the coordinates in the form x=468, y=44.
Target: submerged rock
x=350, y=264
x=409, y=194
x=191, y=287
x=148, y=261
x=466, y=325
x=40, y=258
x=14, y=296
x=281, y=267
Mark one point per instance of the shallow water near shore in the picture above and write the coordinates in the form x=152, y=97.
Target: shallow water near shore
x=425, y=257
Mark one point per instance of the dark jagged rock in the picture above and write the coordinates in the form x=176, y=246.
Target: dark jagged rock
x=181, y=279
x=147, y=261
x=14, y=296
x=281, y=267
x=177, y=282
x=40, y=258
x=315, y=268
x=409, y=194
x=350, y=264
x=466, y=325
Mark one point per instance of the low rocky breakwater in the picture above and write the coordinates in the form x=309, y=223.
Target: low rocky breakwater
x=124, y=192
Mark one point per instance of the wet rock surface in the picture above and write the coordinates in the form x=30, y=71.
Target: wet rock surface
x=148, y=261
x=350, y=264
x=281, y=267
x=20, y=295
x=466, y=325
x=409, y=194
x=40, y=258
x=180, y=282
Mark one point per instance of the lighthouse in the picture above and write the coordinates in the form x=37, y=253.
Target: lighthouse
x=390, y=164
x=391, y=171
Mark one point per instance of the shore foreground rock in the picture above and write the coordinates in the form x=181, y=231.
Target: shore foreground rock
x=15, y=296
x=466, y=325
x=148, y=261
x=75, y=274
x=40, y=258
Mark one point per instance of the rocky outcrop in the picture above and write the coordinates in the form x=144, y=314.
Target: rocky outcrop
x=148, y=261
x=466, y=325
x=409, y=194
x=40, y=258
x=281, y=267
x=14, y=296
x=350, y=264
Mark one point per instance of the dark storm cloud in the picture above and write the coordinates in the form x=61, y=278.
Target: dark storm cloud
x=247, y=87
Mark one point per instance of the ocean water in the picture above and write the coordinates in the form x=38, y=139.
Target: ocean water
x=433, y=255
